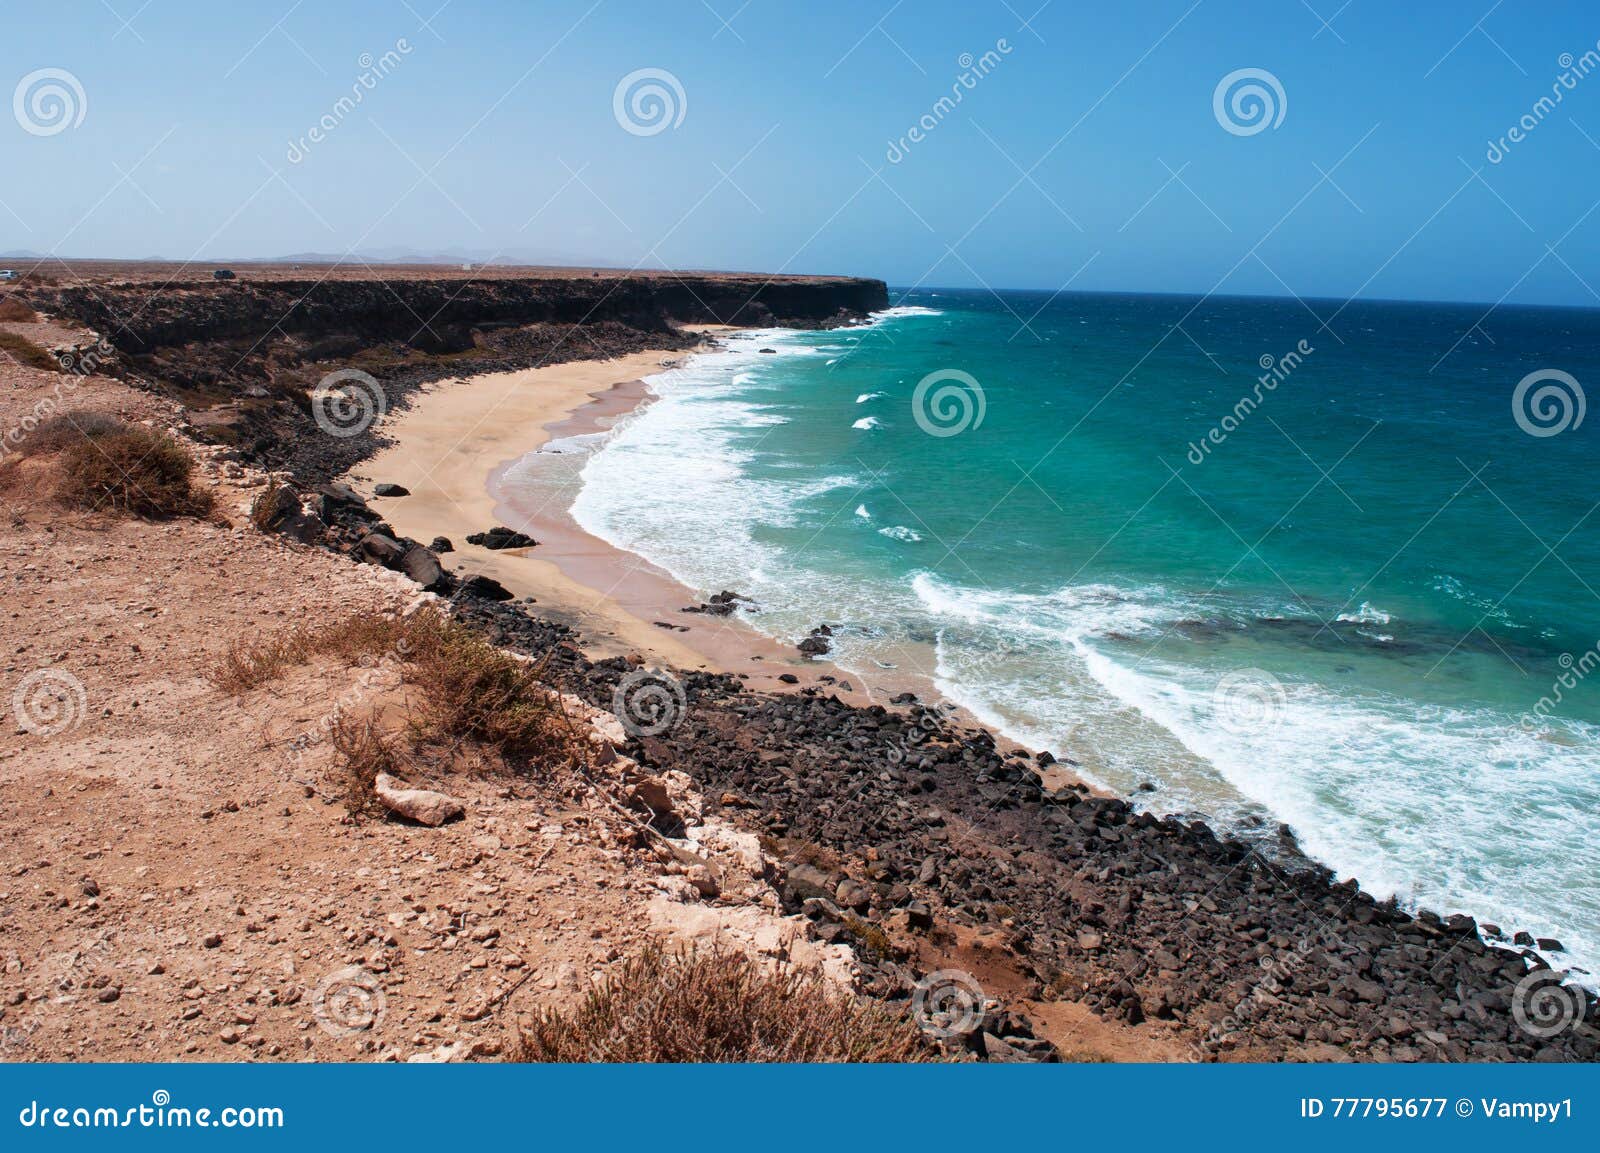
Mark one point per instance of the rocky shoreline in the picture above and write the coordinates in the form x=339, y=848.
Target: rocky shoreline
x=913, y=837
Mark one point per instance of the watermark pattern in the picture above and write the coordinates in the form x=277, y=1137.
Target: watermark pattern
x=973, y=69
x=373, y=69
x=648, y=702
x=348, y=402
x=1276, y=370
x=1548, y=402
x=1249, y=100
x=648, y=101
x=376, y=676
x=1248, y=700
x=1275, y=973
x=49, y=701
x=349, y=1001
x=1573, y=69
x=903, y=751
x=948, y=402
x=49, y=101
x=76, y=365
x=1575, y=670
x=947, y=1003
x=1543, y=1007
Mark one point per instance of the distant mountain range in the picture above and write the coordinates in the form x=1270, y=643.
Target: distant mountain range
x=374, y=256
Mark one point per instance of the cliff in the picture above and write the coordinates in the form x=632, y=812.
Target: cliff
x=244, y=355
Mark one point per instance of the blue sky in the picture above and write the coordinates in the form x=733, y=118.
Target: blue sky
x=1089, y=155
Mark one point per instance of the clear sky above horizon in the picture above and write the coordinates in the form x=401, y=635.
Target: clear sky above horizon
x=1092, y=152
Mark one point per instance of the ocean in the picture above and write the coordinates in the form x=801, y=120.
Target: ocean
x=1321, y=564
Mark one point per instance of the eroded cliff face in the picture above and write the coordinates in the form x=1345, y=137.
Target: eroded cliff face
x=245, y=354
x=436, y=315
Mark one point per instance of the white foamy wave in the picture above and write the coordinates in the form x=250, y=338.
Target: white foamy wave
x=901, y=532
x=901, y=310
x=866, y=396
x=579, y=442
x=1069, y=613
x=868, y=422
x=861, y=511
x=1372, y=786
x=1365, y=615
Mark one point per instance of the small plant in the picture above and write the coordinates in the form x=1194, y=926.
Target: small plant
x=873, y=940
x=131, y=469
x=718, y=1006
x=468, y=690
x=365, y=753
x=25, y=352
x=271, y=505
x=56, y=433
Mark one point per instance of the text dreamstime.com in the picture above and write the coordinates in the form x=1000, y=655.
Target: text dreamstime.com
x=160, y=1113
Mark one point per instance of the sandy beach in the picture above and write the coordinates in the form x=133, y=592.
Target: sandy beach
x=455, y=439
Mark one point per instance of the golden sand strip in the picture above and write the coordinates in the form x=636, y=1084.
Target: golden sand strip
x=456, y=437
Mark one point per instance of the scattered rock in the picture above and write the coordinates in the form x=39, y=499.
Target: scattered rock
x=421, y=805
x=387, y=489
x=501, y=537
x=485, y=588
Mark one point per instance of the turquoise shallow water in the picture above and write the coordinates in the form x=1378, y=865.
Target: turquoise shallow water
x=1337, y=605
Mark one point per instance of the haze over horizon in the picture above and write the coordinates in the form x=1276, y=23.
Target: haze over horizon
x=1430, y=153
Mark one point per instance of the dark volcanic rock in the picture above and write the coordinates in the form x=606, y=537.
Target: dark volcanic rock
x=484, y=588
x=387, y=489
x=501, y=537
x=441, y=544
x=423, y=567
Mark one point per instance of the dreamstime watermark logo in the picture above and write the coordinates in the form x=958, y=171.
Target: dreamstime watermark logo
x=49, y=701
x=948, y=402
x=1573, y=69
x=376, y=676
x=75, y=365
x=947, y=1003
x=1543, y=1007
x=930, y=725
x=348, y=402
x=1248, y=700
x=49, y=101
x=77, y=362
x=648, y=702
x=349, y=1001
x=1276, y=370
x=1249, y=100
x=1276, y=972
x=973, y=69
x=1575, y=670
x=373, y=69
x=648, y=101
x=1548, y=402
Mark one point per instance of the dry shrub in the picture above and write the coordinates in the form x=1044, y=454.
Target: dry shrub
x=468, y=690
x=357, y=639
x=25, y=352
x=471, y=690
x=718, y=1006
x=131, y=469
x=17, y=311
x=365, y=752
x=68, y=428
